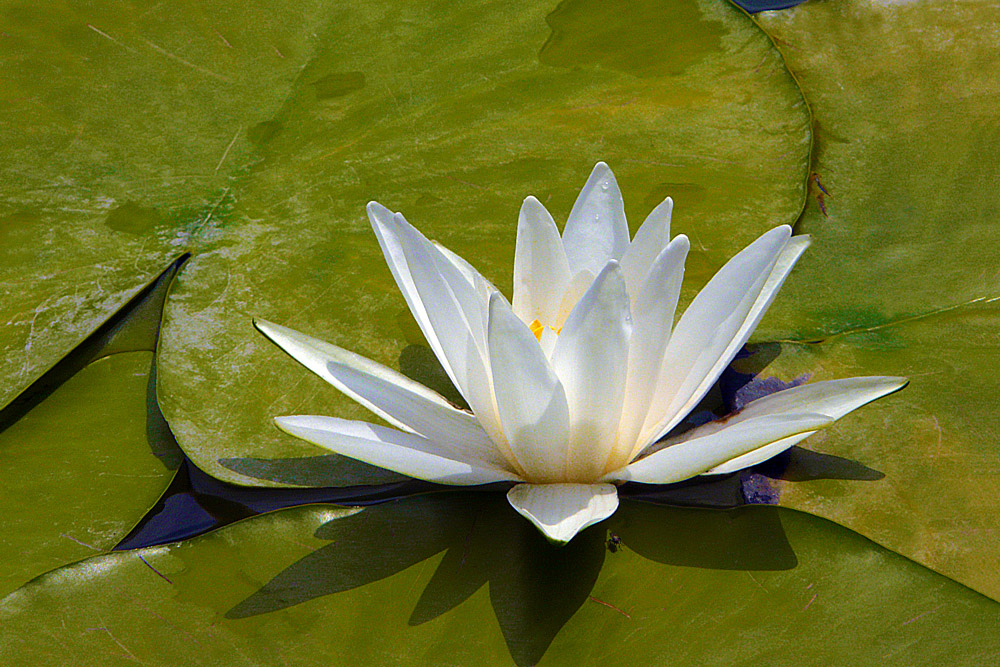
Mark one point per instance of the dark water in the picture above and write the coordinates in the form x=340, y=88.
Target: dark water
x=754, y=6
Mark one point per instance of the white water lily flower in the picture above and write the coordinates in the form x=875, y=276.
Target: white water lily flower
x=573, y=386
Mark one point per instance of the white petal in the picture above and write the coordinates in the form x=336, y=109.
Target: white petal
x=469, y=272
x=454, y=315
x=652, y=237
x=541, y=271
x=687, y=459
x=383, y=223
x=561, y=511
x=578, y=286
x=590, y=358
x=653, y=307
x=482, y=287
x=833, y=398
x=405, y=453
x=596, y=230
x=759, y=455
x=390, y=395
x=530, y=399
x=712, y=330
x=548, y=341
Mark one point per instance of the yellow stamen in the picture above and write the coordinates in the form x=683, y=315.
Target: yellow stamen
x=537, y=328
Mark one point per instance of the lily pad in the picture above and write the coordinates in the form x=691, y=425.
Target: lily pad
x=80, y=469
x=901, y=278
x=122, y=128
x=459, y=578
x=453, y=116
x=85, y=451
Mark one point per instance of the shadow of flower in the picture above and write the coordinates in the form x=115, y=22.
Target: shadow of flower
x=534, y=588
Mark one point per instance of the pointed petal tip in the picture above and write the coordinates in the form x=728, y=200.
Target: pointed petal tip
x=285, y=423
x=602, y=170
x=560, y=511
x=375, y=209
x=530, y=206
x=273, y=332
x=893, y=383
x=782, y=230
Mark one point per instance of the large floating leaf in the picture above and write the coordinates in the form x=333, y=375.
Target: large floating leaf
x=319, y=586
x=81, y=468
x=122, y=126
x=84, y=450
x=902, y=274
x=453, y=114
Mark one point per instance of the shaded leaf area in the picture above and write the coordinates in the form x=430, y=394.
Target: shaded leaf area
x=935, y=441
x=460, y=579
x=453, y=116
x=196, y=503
x=84, y=450
x=122, y=127
x=902, y=276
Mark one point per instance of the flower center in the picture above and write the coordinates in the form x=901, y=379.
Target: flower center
x=537, y=328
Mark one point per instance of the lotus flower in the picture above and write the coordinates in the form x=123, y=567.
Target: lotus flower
x=574, y=386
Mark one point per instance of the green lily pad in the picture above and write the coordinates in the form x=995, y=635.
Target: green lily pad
x=460, y=579
x=901, y=276
x=454, y=115
x=122, y=128
x=81, y=468
x=85, y=451
x=905, y=139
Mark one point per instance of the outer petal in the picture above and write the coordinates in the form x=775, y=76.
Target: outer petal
x=653, y=306
x=561, y=511
x=453, y=311
x=590, y=358
x=541, y=271
x=469, y=272
x=596, y=230
x=687, y=459
x=390, y=395
x=429, y=280
x=713, y=329
x=383, y=223
x=405, y=453
x=530, y=399
x=833, y=398
x=652, y=237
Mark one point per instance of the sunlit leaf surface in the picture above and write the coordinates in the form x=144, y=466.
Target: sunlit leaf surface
x=454, y=115
x=122, y=126
x=85, y=451
x=461, y=579
x=254, y=135
x=902, y=274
